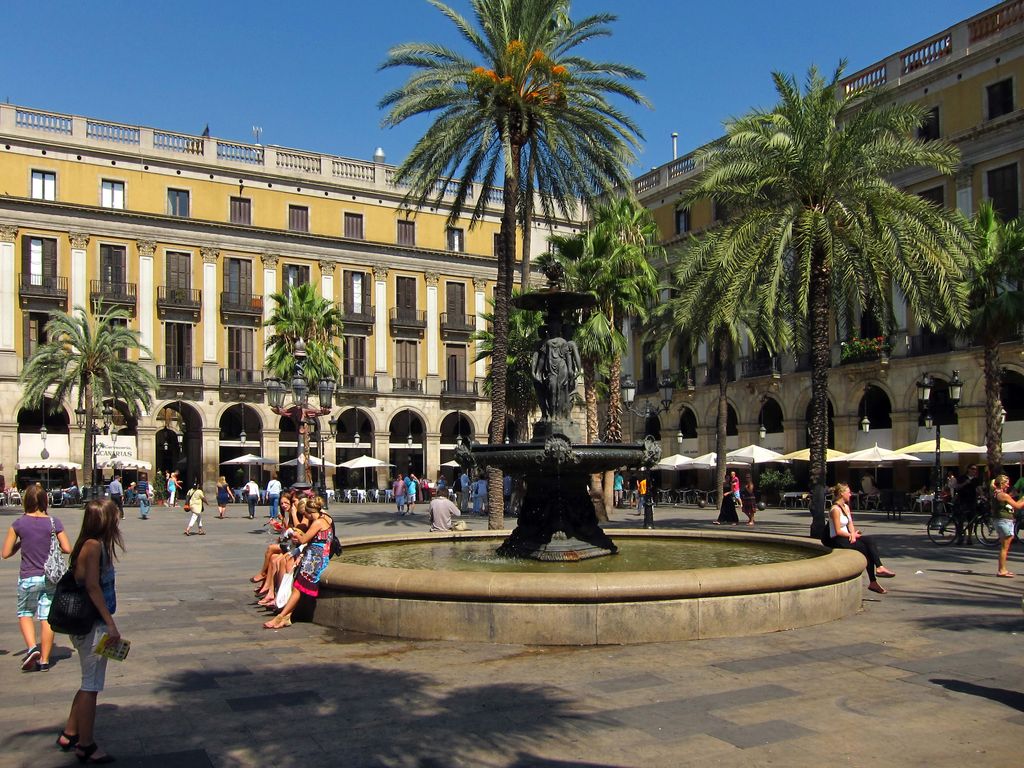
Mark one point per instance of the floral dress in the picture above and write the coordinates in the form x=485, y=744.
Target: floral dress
x=315, y=558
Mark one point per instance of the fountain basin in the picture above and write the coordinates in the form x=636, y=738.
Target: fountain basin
x=576, y=608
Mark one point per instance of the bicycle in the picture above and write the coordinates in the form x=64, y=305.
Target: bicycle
x=945, y=526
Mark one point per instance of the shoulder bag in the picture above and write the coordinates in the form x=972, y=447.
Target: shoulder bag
x=72, y=611
x=56, y=564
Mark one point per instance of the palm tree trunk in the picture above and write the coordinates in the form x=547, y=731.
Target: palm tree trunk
x=590, y=399
x=993, y=407
x=613, y=428
x=499, y=357
x=87, y=458
x=722, y=435
x=524, y=275
x=820, y=360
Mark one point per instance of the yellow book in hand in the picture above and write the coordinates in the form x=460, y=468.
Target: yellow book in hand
x=113, y=649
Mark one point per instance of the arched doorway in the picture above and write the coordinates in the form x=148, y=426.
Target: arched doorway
x=44, y=440
x=454, y=428
x=179, y=442
x=406, y=443
x=770, y=421
x=241, y=432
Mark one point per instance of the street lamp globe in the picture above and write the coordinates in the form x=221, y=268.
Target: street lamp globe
x=628, y=390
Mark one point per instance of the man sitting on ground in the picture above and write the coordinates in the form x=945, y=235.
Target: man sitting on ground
x=442, y=510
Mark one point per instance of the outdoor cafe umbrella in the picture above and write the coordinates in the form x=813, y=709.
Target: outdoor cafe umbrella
x=946, y=445
x=804, y=454
x=364, y=463
x=875, y=456
x=754, y=454
x=675, y=461
x=1013, y=446
x=707, y=461
x=452, y=463
x=313, y=461
x=250, y=458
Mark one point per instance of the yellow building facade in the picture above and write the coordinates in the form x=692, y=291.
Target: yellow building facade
x=971, y=78
x=192, y=234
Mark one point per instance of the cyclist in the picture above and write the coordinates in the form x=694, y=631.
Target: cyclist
x=966, y=503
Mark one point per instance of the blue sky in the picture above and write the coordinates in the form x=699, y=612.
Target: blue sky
x=306, y=71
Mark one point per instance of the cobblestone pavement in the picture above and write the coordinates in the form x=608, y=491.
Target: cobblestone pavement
x=930, y=674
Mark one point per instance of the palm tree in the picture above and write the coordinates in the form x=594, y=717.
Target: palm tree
x=997, y=304
x=814, y=217
x=301, y=315
x=527, y=90
x=85, y=357
x=523, y=340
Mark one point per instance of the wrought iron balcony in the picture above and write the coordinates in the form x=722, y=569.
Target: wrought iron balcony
x=407, y=321
x=359, y=320
x=753, y=367
x=409, y=385
x=453, y=324
x=245, y=304
x=114, y=294
x=241, y=377
x=458, y=388
x=185, y=303
x=357, y=384
x=928, y=344
x=37, y=291
x=179, y=374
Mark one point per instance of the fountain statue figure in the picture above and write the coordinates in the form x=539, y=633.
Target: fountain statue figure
x=556, y=367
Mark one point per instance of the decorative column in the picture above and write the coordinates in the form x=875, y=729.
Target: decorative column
x=380, y=322
x=433, y=328
x=480, y=302
x=327, y=279
x=8, y=286
x=79, y=280
x=269, y=286
x=210, y=323
x=146, y=293
x=965, y=189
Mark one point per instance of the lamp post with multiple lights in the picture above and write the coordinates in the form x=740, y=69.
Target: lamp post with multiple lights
x=300, y=411
x=648, y=411
x=85, y=419
x=924, y=393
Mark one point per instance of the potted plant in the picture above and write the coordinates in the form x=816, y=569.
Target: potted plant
x=774, y=482
x=159, y=483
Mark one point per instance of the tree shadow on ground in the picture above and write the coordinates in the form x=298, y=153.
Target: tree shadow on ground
x=295, y=714
x=1012, y=699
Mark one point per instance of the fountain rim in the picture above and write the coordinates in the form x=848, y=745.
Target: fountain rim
x=831, y=567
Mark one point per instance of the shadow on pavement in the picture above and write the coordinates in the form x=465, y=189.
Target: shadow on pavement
x=1013, y=699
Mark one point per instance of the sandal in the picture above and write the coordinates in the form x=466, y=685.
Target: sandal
x=188, y=533
x=202, y=532
x=71, y=739
x=85, y=755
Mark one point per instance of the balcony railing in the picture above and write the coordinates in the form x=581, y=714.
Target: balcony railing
x=53, y=287
x=113, y=293
x=409, y=385
x=753, y=367
x=170, y=297
x=457, y=323
x=241, y=303
x=241, y=377
x=927, y=344
x=714, y=375
x=402, y=317
x=458, y=388
x=364, y=315
x=179, y=374
x=357, y=384
x=803, y=362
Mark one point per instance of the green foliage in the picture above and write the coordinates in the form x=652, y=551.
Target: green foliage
x=776, y=480
x=523, y=340
x=857, y=348
x=159, y=483
x=299, y=313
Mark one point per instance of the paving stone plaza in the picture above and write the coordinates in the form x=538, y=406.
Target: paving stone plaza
x=931, y=673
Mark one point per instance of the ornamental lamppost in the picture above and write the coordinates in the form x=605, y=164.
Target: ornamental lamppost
x=924, y=394
x=85, y=419
x=648, y=411
x=300, y=411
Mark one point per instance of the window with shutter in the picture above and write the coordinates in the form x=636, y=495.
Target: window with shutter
x=455, y=302
x=44, y=185
x=298, y=218
x=1004, y=191
x=177, y=202
x=406, y=232
x=240, y=346
x=113, y=267
x=241, y=210
x=405, y=363
x=354, y=226
x=456, y=240
x=355, y=356
x=179, y=276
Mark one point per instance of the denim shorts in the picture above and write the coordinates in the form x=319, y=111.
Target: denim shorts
x=94, y=666
x=34, y=597
x=1004, y=528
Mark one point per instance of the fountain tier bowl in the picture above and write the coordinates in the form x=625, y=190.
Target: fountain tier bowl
x=590, y=608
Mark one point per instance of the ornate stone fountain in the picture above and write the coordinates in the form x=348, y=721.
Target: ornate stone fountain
x=558, y=520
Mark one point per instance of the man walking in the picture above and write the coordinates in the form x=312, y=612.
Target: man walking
x=274, y=495
x=252, y=493
x=145, y=491
x=117, y=494
x=465, y=490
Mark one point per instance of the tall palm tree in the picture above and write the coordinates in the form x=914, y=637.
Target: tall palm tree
x=997, y=304
x=85, y=359
x=527, y=89
x=814, y=216
x=300, y=314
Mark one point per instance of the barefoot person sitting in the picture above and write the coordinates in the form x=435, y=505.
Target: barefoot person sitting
x=1004, y=508
x=315, y=558
x=844, y=535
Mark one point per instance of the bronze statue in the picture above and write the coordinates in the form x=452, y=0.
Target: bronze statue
x=556, y=367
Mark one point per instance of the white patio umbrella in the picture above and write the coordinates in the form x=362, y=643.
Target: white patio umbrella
x=876, y=456
x=452, y=463
x=363, y=462
x=804, y=454
x=313, y=461
x=1013, y=446
x=675, y=461
x=755, y=454
x=707, y=461
x=250, y=458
